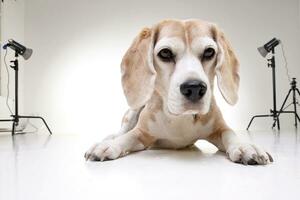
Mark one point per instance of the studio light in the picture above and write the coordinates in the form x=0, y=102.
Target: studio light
x=25, y=53
x=266, y=48
x=274, y=113
x=18, y=48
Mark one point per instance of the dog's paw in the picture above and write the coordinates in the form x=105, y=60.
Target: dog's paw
x=248, y=154
x=106, y=150
x=111, y=137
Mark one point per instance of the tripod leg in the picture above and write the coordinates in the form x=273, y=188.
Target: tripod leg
x=37, y=117
x=280, y=111
x=284, y=102
x=46, y=124
x=276, y=121
x=274, y=124
x=254, y=118
x=298, y=117
x=295, y=106
x=13, y=128
x=250, y=123
x=298, y=91
x=6, y=120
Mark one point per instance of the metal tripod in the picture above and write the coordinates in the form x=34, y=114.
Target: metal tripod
x=16, y=117
x=293, y=90
x=273, y=112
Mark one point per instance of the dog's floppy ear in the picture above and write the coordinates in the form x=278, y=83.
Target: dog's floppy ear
x=138, y=73
x=227, y=69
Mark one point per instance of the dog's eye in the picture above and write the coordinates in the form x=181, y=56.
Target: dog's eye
x=166, y=55
x=208, y=53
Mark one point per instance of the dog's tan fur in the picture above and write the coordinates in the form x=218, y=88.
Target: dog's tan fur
x=145, y=80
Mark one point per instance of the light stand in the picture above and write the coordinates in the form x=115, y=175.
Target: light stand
x=274, y=112
x=16, y=117
x=292, y=91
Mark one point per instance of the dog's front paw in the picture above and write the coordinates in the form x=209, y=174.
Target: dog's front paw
x=248, y=154
x=106, y=150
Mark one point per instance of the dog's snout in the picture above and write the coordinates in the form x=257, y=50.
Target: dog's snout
x=193, y=90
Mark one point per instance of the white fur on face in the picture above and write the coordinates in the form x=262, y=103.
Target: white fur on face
x=187, y=67
x=201, y=43
x=173, y=43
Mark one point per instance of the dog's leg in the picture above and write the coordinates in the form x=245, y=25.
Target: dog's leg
x=134, y=140
x=129, y=121
x=239, y=150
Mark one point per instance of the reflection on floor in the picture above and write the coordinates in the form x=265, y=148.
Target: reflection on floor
x=41, y=167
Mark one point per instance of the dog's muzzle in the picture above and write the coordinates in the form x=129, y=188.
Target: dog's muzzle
x=193, y=90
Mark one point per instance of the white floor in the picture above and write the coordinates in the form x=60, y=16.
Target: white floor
x=41, y=167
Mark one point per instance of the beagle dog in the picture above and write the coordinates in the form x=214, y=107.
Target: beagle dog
x=168, y=79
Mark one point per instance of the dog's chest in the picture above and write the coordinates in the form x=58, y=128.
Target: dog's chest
x=178, y=132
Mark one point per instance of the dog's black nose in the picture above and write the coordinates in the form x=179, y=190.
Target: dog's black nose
x=193, y=90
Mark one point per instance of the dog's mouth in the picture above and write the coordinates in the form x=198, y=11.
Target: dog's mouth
x=188, y=108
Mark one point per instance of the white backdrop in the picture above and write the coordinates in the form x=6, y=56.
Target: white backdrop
x=73, y=77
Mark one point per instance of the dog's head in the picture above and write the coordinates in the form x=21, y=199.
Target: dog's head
x=179, y=59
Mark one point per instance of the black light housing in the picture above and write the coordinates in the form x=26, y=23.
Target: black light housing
x=19, y=49
x=266, y=48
